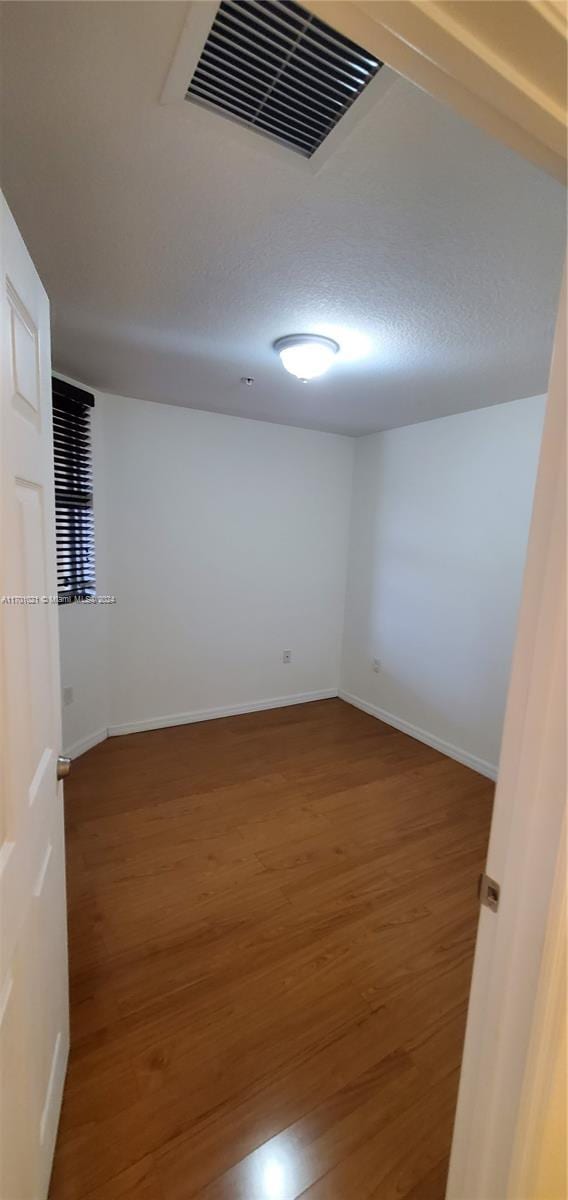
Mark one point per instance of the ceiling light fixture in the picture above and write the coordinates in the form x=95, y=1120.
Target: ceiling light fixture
x=306, y=355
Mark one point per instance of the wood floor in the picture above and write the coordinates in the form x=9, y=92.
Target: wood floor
x=272, y=921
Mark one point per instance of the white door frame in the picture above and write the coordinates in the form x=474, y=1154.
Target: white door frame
x=540, y=1167
x=510, y=81
x=485, y=73
x=526, y=832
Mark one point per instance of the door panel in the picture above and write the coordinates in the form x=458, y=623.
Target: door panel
x=19, y=1170
x=34, y=1027
x=530, y=804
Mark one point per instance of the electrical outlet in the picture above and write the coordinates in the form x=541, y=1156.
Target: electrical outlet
x=286, y=656
x=376, y=664
x=67, y=696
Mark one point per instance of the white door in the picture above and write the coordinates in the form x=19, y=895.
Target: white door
x=526, y=832
x=34, y=1021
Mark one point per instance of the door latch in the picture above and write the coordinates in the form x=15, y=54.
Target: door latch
x=488, y=891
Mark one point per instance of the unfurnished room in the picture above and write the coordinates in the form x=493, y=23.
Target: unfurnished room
x=282, y=877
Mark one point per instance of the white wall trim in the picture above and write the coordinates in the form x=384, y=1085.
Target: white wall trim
x=85, y=743
x=465, y=60
x=212, y=714
x=231, y=710
x=430, y=739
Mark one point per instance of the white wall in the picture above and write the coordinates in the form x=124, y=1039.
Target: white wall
x=225, y=541
x=227, y=544
x=439, y=527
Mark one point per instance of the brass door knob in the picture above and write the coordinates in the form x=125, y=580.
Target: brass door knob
x=63, y=766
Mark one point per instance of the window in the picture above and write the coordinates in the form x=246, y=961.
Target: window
x=75, y=533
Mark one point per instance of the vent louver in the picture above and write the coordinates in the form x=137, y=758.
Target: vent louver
x=272, y=65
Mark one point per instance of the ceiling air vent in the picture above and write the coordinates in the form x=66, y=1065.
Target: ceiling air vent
x=272, y=65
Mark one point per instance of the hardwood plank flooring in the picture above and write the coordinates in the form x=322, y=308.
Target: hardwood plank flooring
x=271, y=921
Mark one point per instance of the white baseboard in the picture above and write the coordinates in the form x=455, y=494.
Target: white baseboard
x=86, y=743
x=430, y=739
x=232, y=710
x=213, y=714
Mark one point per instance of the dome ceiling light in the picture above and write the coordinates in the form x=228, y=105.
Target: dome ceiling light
x=306, y=355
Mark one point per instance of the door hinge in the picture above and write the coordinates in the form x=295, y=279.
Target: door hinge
x=488, y=891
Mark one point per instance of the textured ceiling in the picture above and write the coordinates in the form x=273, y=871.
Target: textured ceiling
x=175, y=246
